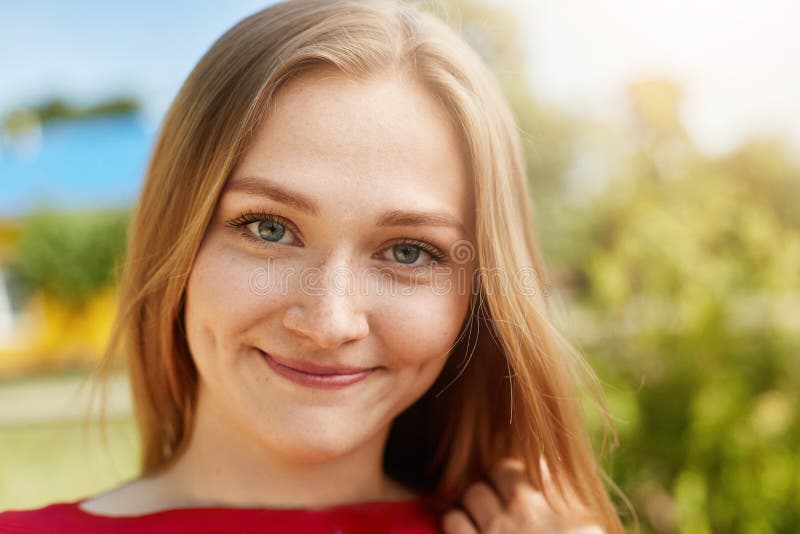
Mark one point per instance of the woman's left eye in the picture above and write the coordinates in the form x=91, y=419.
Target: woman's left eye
x=407, y=252
x=268, y=228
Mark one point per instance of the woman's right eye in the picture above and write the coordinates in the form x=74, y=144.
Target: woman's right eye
x=261, y=227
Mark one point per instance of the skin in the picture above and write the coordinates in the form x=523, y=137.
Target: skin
x=355, y=149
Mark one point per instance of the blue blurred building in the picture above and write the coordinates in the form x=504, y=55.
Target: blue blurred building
x=90, y=163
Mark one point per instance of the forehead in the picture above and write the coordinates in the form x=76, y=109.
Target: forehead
x=358, y=146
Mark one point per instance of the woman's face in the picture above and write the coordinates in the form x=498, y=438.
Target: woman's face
x=332, y=246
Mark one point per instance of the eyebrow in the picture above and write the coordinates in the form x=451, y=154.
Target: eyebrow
x=262, y=187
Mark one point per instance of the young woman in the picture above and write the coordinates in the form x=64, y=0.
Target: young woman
x=332, y=306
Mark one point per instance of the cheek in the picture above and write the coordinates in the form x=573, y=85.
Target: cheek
x=225, y=296
x=420, y=329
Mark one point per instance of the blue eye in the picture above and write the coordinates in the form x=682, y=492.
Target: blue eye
x=272, y=228
x=407, y=251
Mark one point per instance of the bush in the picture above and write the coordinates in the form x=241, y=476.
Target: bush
x=69, y=255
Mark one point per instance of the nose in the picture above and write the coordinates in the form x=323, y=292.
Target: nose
x=327, y=311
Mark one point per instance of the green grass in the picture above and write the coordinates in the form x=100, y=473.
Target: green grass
x=54, y=461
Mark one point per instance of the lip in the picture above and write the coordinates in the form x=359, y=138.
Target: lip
x=317, y=376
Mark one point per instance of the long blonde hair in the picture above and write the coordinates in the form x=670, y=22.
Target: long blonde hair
x=511, y=384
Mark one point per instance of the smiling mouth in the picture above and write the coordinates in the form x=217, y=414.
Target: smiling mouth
x=321, y=377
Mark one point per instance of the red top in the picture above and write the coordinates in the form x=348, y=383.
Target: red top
x=398, y=517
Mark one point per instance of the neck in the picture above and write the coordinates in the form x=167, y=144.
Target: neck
x=223, y=466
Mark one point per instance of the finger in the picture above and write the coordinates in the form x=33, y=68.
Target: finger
x=457, y=522
x=567, y=503
x=482, y=503
x=549, y=486
x=509, y=477
x=547, y=477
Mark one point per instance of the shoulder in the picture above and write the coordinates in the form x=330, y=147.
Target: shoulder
x=139, y=496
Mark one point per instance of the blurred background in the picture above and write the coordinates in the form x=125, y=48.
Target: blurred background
x=663, y=148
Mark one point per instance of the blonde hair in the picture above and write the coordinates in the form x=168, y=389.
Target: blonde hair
x=510, y=391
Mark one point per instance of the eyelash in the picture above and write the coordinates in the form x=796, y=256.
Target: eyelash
x=249, y=217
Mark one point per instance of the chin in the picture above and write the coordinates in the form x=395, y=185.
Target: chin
x=312, y=441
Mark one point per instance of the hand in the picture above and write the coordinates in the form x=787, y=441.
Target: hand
x=516, y=506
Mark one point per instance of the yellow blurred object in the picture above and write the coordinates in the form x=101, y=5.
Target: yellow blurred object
x=53, y=335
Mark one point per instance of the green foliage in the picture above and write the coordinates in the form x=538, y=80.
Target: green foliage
x=70, y=255
x=689, y=284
